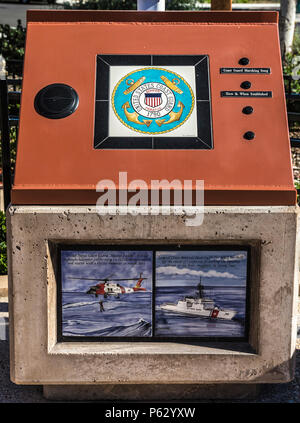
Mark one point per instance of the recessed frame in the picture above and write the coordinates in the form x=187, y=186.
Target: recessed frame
x=156, y=334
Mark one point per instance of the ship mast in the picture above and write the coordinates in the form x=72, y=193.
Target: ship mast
x=200, y=289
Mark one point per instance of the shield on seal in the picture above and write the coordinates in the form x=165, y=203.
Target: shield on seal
x=153, y=99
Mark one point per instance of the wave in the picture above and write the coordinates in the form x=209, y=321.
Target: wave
x=79, y=304
x=139, y=328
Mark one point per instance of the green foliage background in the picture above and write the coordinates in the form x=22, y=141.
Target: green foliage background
x=12, y=46
x=291, y=59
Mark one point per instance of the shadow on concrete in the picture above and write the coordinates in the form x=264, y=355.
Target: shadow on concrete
x=11, y=393
x=268, y=393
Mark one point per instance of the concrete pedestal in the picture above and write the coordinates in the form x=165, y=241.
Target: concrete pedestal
x=146, y=370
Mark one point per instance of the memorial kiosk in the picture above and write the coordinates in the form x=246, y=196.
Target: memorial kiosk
x=147, y=306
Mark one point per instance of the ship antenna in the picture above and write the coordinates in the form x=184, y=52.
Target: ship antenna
x=200, y=289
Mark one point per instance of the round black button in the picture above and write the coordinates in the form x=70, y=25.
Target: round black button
x=56, y=101
x=244, y=61
x=249, y=135
x=246, y=85
x=247, y=110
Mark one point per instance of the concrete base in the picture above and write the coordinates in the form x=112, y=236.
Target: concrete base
x=150, y=392
x=151, y=370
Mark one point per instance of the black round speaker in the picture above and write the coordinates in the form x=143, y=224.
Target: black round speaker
x=56, y=101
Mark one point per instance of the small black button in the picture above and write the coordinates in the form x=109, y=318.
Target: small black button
x=246, y=85
x=247, y=110
x=249, y=135
x=244, y=61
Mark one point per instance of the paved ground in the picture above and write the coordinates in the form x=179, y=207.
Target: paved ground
x=11, y=393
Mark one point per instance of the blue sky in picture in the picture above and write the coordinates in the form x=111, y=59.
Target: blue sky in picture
x=216, y=268
x=104, y=264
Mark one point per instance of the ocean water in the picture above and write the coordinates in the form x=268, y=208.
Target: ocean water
x=173, y=324
x=130, y=315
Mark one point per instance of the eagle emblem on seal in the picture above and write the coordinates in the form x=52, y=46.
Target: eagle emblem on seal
x=152, y=100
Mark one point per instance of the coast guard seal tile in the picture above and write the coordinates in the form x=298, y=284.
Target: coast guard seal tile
x=151, y=100
x=157, y=102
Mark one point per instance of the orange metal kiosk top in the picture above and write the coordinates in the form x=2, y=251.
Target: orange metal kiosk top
x=245, y=159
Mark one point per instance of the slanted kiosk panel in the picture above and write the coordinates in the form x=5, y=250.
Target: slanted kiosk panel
x=160, y=96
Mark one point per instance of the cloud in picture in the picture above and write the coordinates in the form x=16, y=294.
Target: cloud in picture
x=236, y=257
x=172, y=270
